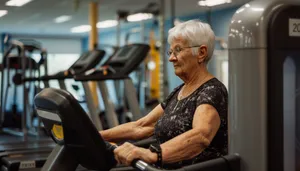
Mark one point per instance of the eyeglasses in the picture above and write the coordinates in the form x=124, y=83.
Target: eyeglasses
x=177, y=50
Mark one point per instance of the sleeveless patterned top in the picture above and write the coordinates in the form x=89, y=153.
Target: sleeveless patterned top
x=178, y=118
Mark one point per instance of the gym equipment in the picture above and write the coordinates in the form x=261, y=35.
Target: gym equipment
x=17, y=155
x=79, y=143
x=86, y=61
x=22, y=65
x=126, y=59
x=264, y=52
x=24, y=159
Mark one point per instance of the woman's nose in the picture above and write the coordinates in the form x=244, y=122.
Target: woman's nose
x=172, y=57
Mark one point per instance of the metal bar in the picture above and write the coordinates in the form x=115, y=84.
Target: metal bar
x=93, y=113
x=110, y=113
x=118, y=33
x=62, y=84
x=142, y=93
x=24, y=116
x=173, y=11
x=132, y=100
x=164, y=83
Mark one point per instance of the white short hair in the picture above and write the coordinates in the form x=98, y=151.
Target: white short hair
x=196, y=33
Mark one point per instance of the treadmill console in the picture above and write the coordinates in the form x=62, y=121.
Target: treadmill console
x=87, y=61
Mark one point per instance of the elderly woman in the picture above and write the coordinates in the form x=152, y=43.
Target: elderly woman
x=190, y=125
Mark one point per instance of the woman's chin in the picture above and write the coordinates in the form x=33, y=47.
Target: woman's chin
x=177, y=72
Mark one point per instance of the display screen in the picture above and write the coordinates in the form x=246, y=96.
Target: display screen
x=124, y=53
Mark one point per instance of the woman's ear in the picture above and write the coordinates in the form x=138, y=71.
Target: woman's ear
x=202, y=53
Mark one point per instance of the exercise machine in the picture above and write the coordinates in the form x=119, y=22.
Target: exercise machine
x=79, y=143
x=28, y=153
x=86, y=61
x=25, y=155
x=263, y=84
x=264, y=52
x=23, y=65
x=126, y=60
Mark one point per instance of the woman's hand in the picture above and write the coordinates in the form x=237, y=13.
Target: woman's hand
x=127, y=152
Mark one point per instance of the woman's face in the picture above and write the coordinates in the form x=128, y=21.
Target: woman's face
x=184, y=62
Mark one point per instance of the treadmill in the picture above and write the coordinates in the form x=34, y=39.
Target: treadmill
x=118, y=67
x=86, y=61
x=23, y=65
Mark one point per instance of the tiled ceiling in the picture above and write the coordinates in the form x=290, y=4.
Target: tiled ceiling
x=37, y=16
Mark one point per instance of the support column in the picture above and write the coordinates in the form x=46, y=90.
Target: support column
x=164, y=82
x=93, y=44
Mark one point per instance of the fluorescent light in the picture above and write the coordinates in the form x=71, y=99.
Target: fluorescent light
x=257, y=9
x=107, y=24
x=139, y=17
x=247, y=5
x=3, y=13
x=212, y=2
x=81, y=29
x=87, y=28
x=62, y=18
x=17, y=3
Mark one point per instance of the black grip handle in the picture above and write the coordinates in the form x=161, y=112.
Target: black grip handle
x=136, y=163
x=110, y=147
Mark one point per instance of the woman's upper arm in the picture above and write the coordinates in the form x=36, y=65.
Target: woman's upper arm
x=151, y=118
x=211, y=108
x=207, y=121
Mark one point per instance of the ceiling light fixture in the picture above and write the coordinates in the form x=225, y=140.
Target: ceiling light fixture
x=17, y=3
x=87, y=28
x=139, y=17
x=62, y=19
x=81, y=29
x=107, y=24
x=3, y=13
x=211, y=3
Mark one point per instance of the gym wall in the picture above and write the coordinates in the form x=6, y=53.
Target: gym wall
x=220, y=20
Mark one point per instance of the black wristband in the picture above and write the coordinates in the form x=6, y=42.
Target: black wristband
x=155, y=148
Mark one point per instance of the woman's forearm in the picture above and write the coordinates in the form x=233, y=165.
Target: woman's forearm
x=120, y=132
x=127, y=131
x=140, y=129
x=184, y=146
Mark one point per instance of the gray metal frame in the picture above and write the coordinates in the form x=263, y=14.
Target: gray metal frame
x=111, y=116
x=62, y=84
x=93, y=111
x=248, y=55
x=131, y=96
